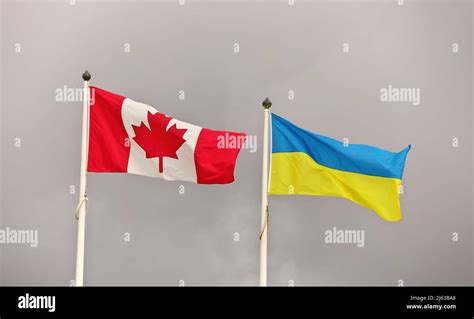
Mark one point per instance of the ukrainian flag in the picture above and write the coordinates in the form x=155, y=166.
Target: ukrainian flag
x=305, y=163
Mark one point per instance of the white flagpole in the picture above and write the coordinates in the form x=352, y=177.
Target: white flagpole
x=264, y=220
x=81, y=209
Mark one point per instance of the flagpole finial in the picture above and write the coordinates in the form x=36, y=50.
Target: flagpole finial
x=267, y=103
x=86, y=76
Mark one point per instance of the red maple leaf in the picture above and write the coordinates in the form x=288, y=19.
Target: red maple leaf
x=157, y=141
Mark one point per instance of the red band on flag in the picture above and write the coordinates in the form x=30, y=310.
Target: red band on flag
x=108, y=151
x=215, y=156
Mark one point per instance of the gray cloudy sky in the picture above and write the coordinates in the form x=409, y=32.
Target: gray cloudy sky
x=322, y=63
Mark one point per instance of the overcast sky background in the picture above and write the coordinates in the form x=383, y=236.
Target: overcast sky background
x=151, y=50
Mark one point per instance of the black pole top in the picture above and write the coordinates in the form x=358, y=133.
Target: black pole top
x=267, y=103
x=86, y=76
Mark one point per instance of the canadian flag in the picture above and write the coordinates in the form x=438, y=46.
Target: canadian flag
x=130, y=137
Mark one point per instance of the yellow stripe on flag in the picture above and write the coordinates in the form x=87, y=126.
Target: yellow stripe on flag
x=296, y=173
